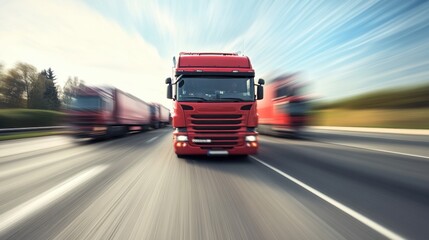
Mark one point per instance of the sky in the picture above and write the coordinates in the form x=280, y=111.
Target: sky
x=340, y=48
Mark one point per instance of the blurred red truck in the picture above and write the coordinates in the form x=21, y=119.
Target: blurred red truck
x=284, y=109
x=107, y=112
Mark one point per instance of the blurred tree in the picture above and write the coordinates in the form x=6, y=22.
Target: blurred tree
x=69, y=90
x=1, y=85
x=12, y=89
x=50, y=95
x=26, y=73
x=36, y=96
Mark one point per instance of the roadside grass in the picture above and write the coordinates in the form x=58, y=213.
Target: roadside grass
x=12, y=136
x=416, y=118
x=19, y=118
x=392, y=98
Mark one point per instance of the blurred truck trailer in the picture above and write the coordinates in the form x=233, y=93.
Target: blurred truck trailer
x=98, y=112
x=160, y=115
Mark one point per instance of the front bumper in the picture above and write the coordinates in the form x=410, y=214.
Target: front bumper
x=87, y=132
x=193, y=150
x=185, y=148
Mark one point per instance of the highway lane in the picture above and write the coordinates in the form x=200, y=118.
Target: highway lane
x=391, y=189
x=136, y=188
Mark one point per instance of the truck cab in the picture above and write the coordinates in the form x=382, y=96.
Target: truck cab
x=214, y=110
x=91, y=111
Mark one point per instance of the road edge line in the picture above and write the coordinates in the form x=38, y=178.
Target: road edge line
x=377, y=150
x=41, y=201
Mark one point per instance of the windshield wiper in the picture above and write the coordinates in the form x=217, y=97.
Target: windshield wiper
x=191, y=97
x=232, y=98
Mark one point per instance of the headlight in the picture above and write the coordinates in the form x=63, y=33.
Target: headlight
x=97, y=129
x=251, y=138
x=182, y=138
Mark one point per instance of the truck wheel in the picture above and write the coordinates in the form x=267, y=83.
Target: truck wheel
x=180, y=156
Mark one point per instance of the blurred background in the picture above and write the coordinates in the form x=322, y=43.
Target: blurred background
x=365, y=63
x=79, y=65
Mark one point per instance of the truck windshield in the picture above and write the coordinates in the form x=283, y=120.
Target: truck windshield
x=215, y=89
x=300, y=108
x=86, y=103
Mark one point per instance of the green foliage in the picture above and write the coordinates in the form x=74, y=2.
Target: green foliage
x=416, y=118
x=16, y=118
x=27, y=74
x=50, y=95
x=413, y=97
x=12, y=89
x=35, y=98
x=22, y=86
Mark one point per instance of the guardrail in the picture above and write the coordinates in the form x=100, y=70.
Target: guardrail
x=30, y=129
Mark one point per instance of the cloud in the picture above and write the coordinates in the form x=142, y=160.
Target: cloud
x=75, y=40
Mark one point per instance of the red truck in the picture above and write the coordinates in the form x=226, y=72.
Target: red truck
x=160, y=115
x=98, y=112
x=284, y=108
x=214, y=110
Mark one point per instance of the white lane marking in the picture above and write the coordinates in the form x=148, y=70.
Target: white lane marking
x=37, y=163
x=36, y=204
x=15, y=147
x=359, y=147
x=379, y=150
x=152, y=139
x=368, y=222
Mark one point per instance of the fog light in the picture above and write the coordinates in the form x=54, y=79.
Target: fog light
x=182, y=138
x=251, y=138
x=254, y=144
x=179, y=144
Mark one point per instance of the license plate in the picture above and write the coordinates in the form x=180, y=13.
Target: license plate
x=213, y=152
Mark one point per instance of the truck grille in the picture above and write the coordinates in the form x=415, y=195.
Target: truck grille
x=216, y=121
x=216, y=116
x=216, y=127
x=218, y=131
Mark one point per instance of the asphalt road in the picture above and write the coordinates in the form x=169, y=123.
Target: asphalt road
x=328, y=185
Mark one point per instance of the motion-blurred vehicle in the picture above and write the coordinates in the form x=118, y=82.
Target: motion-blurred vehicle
x=284, y=110
x=160, y=115
x=98, y=112
x=214, y=104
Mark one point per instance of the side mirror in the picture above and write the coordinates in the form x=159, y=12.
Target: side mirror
x=169, y=91
x=260, y=92
x=168, y=81
x=261, y=81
